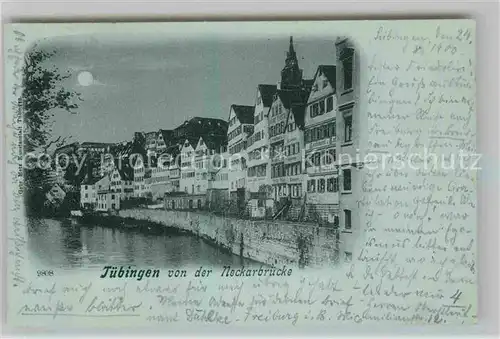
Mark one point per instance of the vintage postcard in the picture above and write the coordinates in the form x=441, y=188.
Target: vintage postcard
x=247, y=175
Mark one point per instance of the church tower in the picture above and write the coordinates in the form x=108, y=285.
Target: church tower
x=291, y=74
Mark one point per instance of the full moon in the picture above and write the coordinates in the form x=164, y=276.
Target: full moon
x=85, y=78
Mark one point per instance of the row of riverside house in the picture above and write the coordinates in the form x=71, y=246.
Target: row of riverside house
x=276, y=159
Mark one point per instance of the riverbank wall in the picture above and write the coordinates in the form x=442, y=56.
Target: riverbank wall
x=270, y=242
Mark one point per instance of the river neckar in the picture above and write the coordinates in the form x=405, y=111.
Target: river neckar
x=69, y=244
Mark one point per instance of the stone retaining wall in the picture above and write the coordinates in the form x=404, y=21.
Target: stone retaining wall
x=270, y=242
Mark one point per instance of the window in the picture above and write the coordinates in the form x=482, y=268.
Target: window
x=330, y=184
x=112, y=196
x=347, y=71
x=332, y=129
x=321, y=107
x=321, y=185
x=347, y=222
x=329, y=104
x=347, y=179
x=311, y=187
x=314, y=110
x=348, y=256
x=348, y=128
x=199, y=203
x=86, y=195
x=320, y=133
x=317, y=159
x=331, y=156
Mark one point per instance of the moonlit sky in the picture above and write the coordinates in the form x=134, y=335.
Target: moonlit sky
x=141, y=85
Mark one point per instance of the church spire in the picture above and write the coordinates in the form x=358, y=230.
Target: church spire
x=291, y=56
x=291, y=75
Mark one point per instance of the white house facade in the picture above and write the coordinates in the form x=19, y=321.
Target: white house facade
x=351, y=138
x=239, y=129
x=259, y=164
x=322, y=185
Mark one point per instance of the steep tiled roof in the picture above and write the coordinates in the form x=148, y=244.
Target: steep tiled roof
x=329, y=71
x=94, y=144
x=308, y=83
x=291, y=98
x=126, y=173
x=267, y=93
x=91, y=180
x=196, y=127
x=122, y=149
x=192, y=141
x=215, y=143
x=298, y=112
x=167, y=135
x=150, y=136
x=243, y=113
x=173, y=150
x=295, y=101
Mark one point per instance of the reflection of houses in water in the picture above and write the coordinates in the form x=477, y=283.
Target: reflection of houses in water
x=71, y=240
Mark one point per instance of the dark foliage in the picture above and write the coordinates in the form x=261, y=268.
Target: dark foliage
x=42, y=92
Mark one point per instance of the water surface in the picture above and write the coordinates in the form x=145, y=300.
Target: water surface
x=69, y=245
